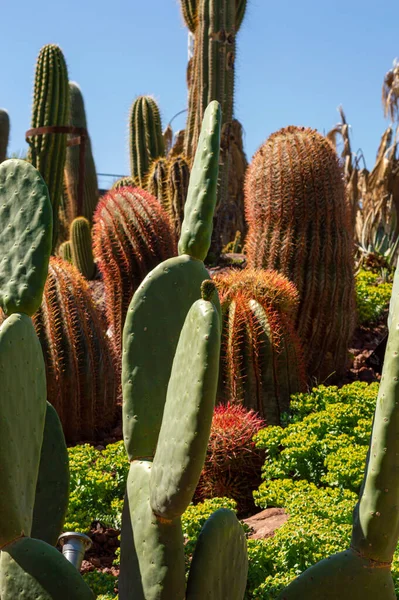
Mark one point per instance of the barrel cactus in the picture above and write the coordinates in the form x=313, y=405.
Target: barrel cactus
x=262, y=360
x=47, y=151
x=131, y=235
x=299, y=224
x=81, y=378
x=4, y=133
x=73, y=172
x=146, y=139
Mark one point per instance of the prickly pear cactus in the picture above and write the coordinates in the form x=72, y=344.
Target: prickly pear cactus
x=25, y=237
x=171, y=346
x=31, y=441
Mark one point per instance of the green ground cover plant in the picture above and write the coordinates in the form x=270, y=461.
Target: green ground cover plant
x=372, y=296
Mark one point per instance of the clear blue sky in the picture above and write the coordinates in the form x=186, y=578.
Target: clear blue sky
x=297, y=61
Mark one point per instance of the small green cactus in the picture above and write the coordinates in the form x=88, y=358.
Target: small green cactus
x=4, y=133
x=81, y=247
x=65, y=251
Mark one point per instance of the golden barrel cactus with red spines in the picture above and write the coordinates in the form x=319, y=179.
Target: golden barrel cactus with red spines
x=132, y=234
x=82, y=383
x=261, y=359
x=299, y=224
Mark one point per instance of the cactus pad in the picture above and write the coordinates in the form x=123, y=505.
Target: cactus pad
x=33, y=570
x=220, y=564
x=52, y=489
x=25, y=236
x=196, y=230
x=150, y=338
x=187, y=416
x=152, y=553
x=23, y=409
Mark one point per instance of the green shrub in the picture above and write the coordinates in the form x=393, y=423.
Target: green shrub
x=97, y=486
x=102, y=584
x=372, y=297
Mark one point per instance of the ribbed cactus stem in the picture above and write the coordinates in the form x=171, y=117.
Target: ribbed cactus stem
x=146, y=139
x=65, y=251
x=47, y=152
x=300, y=225
x=157, y=183
x=189, y=11
x=81, y=247
x=77, y=118
x=178, y=182
x=4, y=133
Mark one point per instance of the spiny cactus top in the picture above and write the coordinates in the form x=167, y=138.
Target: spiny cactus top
x=146, y=139
x=300, y=225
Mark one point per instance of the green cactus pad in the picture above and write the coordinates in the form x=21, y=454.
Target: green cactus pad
x=220, y=564
x=52, y=490
x=22, y=416
x=33, y=570
x=344, y=576
x=188, y=412
x=152, y=552
x=152, y=328
x=25, y=236
x=197, y=225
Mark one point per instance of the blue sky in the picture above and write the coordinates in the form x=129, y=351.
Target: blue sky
x=296, y=62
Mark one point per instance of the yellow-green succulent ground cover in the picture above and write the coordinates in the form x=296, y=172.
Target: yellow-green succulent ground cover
x=314, y=468
x=372, y=296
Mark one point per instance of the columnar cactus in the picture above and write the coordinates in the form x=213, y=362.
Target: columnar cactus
x=146, y=139
x=363, y=572
x=47, y=151
x=4, y=133
x=189, y=10
x=131, y=235
x=300, y=225
x=81, y=378
x=170, y=359
x=29, y=568
x=168, y=181
x=65, y=251
x=77, y=118
x=262, y=360
x=211, y=77
x=81, y=247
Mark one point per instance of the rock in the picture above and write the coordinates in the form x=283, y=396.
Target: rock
x=265, y=523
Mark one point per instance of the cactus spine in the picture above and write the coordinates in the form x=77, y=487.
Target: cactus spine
x=299, y=224
x=81, y=247
x=187, y=339
x=262, y=360
x=146, y=139
x=29, y=568
x=4, y=133
x=47, y=152
x=131, y=235
x=77, y=118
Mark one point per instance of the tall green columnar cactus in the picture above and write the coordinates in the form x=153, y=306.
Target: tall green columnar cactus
x=212, y=78
x=173, y=326
x=146, y=139
x=4, y=133
x=363, y=571
x=189, y=11
x=47, y=151
x=299, y=224
x=29, y=568
x=77, y=118
x=81, y=247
